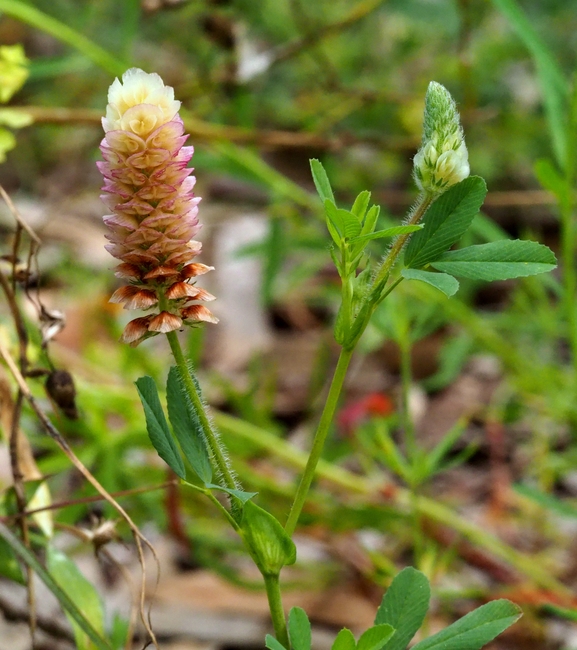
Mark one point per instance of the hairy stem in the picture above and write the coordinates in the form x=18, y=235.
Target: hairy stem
x=222, y=465
x=421, y=207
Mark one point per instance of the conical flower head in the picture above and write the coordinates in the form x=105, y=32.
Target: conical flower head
x=153, y=212
x=443, y=159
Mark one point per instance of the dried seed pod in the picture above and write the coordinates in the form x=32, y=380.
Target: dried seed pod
x=60, y=387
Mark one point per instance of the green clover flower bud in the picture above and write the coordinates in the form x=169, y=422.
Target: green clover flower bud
x=443, y=159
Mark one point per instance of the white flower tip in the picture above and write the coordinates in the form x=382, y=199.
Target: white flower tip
x=139, y=88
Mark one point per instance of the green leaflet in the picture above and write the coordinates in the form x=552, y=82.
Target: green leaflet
x=346, y=223
x=361, y=205
x=299, y=629
x=500, y=260
x=375, y=637
x=387, y=232
x=272, y=644
x=446, y=221
x=321, y=181
x=241, y=495
x=187, y=427
x=405, y=606
x=474, y=630
x=441, y=281
x=157, y=426
x=344, y=641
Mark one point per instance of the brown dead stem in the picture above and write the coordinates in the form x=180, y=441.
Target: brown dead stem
x=19, y=371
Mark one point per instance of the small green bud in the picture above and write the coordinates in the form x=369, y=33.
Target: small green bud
x=443, y=159
x=267, y=542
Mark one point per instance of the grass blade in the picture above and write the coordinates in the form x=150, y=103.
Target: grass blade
x=45, y=23
x=554, y=87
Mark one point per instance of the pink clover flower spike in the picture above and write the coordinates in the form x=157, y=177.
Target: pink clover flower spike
x=153, y=211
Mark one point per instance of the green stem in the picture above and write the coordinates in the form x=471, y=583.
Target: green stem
x=208, y=493
x=411, y=447
x=406, y=378
x=319, y=440
x=272, y=585
x=421, y=207
x=569, y=278
x=567, y=207
x=222, y=465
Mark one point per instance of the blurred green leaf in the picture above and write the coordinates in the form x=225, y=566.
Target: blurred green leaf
x=62, y=32
x=9, y=566
x=547, y=501
x=7, y=142
x=15, y=118
x=554, y=87
x=81, y=591
x=551, y=179
x=436, y=456
x=63, y=598
x=13, y=70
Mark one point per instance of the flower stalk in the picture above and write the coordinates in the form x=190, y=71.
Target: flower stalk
x=381, y=275
x=319, y=439
x=273, y=593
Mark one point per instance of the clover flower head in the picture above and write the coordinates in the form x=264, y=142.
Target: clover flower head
x=442, y=160
x=153, y=212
